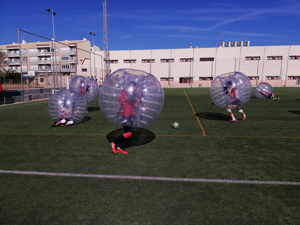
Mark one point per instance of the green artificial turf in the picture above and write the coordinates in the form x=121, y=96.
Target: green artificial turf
x=265, y=147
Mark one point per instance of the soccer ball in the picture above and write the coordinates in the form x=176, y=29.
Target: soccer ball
x=175, y=125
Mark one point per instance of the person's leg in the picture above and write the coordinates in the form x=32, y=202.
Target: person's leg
x=119, y=142
x=233, y=119
x=70, y=122
x=60, y=123
x=242, y=112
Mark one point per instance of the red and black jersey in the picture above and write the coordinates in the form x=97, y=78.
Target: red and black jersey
x=128, y=105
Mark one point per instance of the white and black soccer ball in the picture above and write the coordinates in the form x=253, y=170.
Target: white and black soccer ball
x=175, y=125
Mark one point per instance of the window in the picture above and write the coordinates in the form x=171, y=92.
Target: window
x=32, y=51
x=114, y=61
x=274, y=57
x=294, y=57
x=84, y=70
x=167, y=79
x=206, y=59
x=185, y=80
x=252, y=58
x=272, y=77
x=65, y=66
x=129, y=61
x=205, y=78
x=64, y=50
x=292, y=77
x=254, y=78
x=148, y=60
x=186, y=60
x=42, y=80
x=166, y=60
x=33, y=67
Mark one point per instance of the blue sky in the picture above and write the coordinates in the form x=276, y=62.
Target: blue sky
x=153, y=24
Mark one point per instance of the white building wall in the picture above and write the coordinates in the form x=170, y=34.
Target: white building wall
x=225, y=59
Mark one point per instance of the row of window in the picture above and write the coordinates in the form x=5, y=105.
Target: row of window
x=247, y=58
x=190, y=80
x=272, y=57
x=170, y=60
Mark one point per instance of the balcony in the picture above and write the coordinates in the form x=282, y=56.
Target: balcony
x=68, y=69
x=72, y=52
x=15, y=54
x=15, y=62
x=43, y=53
x=44, y=61
x=45, y=69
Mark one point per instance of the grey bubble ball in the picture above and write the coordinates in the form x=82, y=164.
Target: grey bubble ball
x=131, y=98
x=63, y=101
x=263, y=90
x=87, y=87
x=233, y=82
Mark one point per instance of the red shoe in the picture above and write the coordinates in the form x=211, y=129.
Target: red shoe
x=233, y=121
x=121, y=151
x=113, y=147
x=244, y=117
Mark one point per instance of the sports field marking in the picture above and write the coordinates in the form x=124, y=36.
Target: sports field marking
x=203, y=131
x=177, y=179
x=158, y=135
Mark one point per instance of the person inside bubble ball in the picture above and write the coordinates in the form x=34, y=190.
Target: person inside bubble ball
x=235, y=102
x=82, y=89
x=129, y=99
x=66, y=114
x=271, y=96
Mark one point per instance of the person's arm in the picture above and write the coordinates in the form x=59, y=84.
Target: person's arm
x=232, y=93
x=122, y=97
x=138, y=100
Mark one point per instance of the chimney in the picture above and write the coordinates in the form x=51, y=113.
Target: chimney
x=23, y=42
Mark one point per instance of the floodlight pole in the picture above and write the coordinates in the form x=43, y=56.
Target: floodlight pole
x=20, y=64
x=54, y=47
x=95, y=71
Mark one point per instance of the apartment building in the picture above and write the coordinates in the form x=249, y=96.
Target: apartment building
x=38, y=61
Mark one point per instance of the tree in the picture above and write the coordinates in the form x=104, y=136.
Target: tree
x=2, y=63
x=7, y=73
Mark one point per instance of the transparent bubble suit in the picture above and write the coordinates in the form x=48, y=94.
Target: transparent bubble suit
x=147, y=100
x=263, y=90
x=67, y=99
x=87, y=86
x=219, y=91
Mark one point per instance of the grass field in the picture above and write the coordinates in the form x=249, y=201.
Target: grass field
x=208, y=171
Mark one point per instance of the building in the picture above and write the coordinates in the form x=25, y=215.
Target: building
x=189, y=67
x=194, y=67
x=41, y=65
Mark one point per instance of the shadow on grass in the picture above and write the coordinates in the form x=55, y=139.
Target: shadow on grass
x=93, y=109
x=139, y=136
x=213, y=116
x=86, y=119
x=294, y=111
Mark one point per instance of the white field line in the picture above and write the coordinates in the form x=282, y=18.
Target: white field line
x=9, y=106
x=178, y=179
